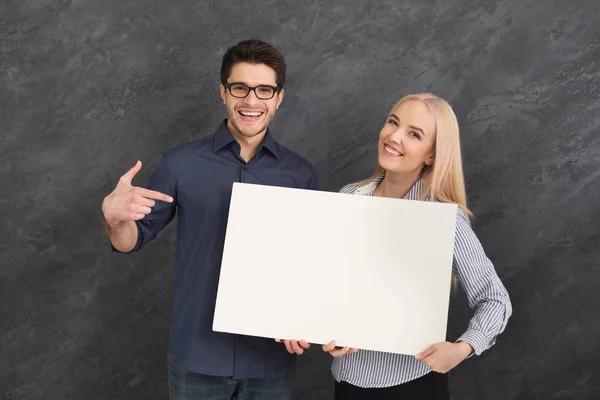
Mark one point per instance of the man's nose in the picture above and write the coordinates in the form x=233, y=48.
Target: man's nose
x=251, y=98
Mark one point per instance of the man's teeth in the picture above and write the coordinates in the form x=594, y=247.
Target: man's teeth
x=251, y=114
x=391, y=151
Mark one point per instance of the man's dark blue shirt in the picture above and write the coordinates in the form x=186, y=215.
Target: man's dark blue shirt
x=199, y=175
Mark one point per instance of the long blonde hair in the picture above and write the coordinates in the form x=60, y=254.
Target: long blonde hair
x=444, y=180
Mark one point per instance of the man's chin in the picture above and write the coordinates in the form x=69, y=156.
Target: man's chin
x=251, y=131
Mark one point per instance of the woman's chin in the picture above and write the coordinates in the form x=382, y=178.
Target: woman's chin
x=387, y=164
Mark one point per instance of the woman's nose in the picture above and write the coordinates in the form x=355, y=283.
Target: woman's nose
x=397, y=136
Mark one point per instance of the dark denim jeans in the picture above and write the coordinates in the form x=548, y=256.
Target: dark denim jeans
x=188, y=385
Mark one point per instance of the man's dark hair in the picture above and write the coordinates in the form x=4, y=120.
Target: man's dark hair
x=253, y=51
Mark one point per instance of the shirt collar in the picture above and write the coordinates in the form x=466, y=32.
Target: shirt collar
x=413, y=194
x=223, y=137
x=368, y=188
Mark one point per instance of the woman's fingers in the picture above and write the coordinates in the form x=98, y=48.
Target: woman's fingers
x=329, y=346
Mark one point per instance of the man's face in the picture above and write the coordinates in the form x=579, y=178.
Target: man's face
x=251, y=115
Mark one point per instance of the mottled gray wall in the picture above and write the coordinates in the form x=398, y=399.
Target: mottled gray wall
x=88, y=87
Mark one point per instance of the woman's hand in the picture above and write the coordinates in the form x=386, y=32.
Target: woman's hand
x=338, y=351
x=442, y=357
x=295, y=346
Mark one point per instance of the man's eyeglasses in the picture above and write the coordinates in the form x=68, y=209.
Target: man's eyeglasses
x=240, y=90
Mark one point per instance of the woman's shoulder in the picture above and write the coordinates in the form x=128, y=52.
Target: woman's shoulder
x=350, y=188
x=463, y=216
x=366, y=185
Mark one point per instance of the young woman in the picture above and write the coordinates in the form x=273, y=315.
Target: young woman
x=420, y=159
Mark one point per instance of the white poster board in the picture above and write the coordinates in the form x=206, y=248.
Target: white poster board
x=368, y=272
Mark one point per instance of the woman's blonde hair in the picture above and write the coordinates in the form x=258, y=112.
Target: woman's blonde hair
x=443, y=180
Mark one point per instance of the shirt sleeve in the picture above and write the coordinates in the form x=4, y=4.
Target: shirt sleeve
x=485, y=292
x=162, y=180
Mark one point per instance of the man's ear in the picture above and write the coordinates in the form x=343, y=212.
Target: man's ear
x=222, y=90
x=279, y=98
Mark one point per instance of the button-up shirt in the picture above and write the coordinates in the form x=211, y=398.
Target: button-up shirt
x=485, y=293
x=199, y=176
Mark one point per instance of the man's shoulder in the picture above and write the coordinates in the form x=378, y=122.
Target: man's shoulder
x=190, y=147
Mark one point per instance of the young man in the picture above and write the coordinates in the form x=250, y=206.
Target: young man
x=194, y=180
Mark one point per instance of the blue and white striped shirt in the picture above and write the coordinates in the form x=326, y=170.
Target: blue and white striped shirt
x=485, y=292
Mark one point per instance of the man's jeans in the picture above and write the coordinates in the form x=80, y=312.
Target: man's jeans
x=188, y=385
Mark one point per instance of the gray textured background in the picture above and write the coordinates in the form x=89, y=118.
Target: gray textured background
x=88, y=87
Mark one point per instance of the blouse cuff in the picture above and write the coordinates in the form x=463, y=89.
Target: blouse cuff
x=476, y=339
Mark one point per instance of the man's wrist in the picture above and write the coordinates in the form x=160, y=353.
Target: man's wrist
x=113, y=226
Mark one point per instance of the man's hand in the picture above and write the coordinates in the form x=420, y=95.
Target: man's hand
x=130, y=203
x=442, y=357
x=336, y=351
x=295, y=346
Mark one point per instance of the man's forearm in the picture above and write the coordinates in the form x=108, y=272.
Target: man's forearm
x=122, y=235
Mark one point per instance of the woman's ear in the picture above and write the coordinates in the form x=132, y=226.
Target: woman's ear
x=429, y=161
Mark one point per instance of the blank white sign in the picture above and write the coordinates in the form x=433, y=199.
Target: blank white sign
x=368, y=272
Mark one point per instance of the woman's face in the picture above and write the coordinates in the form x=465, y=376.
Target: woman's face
x=407, y=138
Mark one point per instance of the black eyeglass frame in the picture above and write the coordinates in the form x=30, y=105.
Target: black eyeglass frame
x=252, y=89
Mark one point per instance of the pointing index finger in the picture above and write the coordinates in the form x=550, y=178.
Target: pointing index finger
x=154, y=195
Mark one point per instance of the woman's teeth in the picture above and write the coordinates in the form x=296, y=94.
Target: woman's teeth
x=391, y=151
